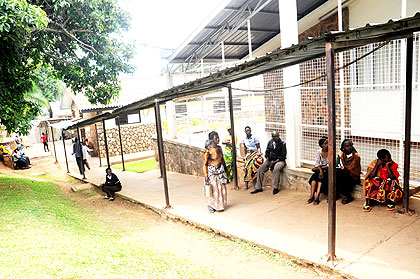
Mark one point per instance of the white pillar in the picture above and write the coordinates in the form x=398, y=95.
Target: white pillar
x=223, y=53
x=248, y=23
x=291, y=75
x=170, y=112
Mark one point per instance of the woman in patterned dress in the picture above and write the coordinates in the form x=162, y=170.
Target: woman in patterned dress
x=253, y=158
x=381, y=182
x=214, y=167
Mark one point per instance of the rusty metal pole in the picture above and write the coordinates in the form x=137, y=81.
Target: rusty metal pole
x=52, y=135
x=408, y=106
x=158, y=145
x=329, y=49
x=232, y=128
x=65, y=153
x=119, y=134
x=81, y=149
x=106, y=144
x=99, y=146
x=162, y=151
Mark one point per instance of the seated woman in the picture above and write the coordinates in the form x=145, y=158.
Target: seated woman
x=320, y=169
x=227, y=155
x=112, y=184
x=214, y=167
x=348, y=171
x=253, y=158
x=19, y=160
x=381, y=183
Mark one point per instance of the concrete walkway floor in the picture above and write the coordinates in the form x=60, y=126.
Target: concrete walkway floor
x=378, y=244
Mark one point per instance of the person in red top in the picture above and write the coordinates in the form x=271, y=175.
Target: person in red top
x=44, y=141
x=381, y=182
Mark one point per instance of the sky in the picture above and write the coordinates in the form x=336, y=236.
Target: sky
x=162, y=24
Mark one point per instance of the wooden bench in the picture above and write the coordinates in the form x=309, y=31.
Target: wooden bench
x=8, y=161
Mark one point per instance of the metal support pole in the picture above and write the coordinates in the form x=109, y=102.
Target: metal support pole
x=331, y=152
x=65, y=153
x=106, y=144
x=162, y=151
x=81, y=146
x=99, y=146
x=52, y=135
x=408, y=105
x=119, y=134
x=232, y=128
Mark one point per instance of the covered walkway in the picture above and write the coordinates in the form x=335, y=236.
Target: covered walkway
x=379, y=244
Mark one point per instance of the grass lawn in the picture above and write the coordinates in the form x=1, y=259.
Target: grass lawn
x=139, y=166
x=44, y=234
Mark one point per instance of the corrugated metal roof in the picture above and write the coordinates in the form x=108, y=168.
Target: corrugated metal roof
x=264, y=26
x=305, y=51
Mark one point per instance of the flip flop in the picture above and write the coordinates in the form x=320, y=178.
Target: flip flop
x=367, y=208
x=211, y=209
x=390, y=207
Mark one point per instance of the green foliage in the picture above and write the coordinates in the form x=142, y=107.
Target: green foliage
x=79, y=41
x=49, y=86
x=19, y=21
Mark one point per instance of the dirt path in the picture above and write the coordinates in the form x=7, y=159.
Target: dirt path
x=229, y=259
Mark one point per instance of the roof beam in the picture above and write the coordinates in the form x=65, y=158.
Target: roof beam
x=262, y=30
x=262, y=11
x=225, y=43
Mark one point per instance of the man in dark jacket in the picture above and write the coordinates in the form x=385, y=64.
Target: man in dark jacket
x=77, y=151
x=276, y=161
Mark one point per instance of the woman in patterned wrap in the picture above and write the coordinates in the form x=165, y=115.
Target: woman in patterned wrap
x=381, y=182
x=253, y=158
x=214, y=167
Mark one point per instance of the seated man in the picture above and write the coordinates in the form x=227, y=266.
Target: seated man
x=276, y=161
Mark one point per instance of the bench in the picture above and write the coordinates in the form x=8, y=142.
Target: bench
x=8, y=161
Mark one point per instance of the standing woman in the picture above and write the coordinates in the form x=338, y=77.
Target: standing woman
x=348, y=171
x=214, y=167
x=253, y=158
x=320, y=169
x=227, y=155
x=112, y=184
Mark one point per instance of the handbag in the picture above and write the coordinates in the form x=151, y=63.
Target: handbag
x=207, y=189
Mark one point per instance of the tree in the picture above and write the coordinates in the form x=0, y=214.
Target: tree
x=48, y=85
x=18, y=22
x=79, y=40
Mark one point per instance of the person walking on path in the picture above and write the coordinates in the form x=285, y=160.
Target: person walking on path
x=45, y=142
x=85, y=151
x=214, y=167
x=276, y=161
x=78, y=153
x=112, y=184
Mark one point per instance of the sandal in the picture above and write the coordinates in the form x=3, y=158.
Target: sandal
x=316, y=202
x=310, y=200
x=211, y=209
x=390, y=207
x=367, y=208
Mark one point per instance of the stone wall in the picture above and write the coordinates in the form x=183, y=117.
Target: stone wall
x=135, y=138
x=188, y=159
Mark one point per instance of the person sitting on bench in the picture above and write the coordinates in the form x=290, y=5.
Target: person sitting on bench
x=276, y=161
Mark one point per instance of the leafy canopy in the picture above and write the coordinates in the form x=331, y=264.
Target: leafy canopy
x=79, y=40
